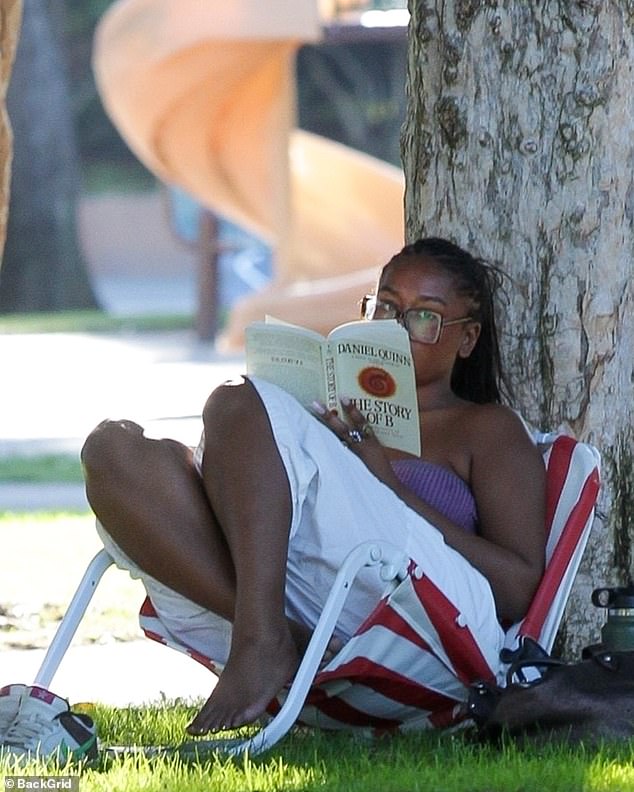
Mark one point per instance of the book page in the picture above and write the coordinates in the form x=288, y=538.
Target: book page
x=289, y=356
x=374, y=368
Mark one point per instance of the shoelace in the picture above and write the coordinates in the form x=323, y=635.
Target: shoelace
x=28, y=732
x=6, y=725
x=6, y=719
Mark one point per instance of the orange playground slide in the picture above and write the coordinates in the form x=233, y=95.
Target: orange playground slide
x=203, y=93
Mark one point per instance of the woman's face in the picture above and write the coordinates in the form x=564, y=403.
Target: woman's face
x=418, y=282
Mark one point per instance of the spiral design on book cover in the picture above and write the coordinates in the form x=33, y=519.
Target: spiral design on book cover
x=377, y=382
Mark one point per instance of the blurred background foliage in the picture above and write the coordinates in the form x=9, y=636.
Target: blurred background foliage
x=350, y=88
x=101, y=148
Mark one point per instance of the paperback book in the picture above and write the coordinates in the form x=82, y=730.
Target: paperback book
x=367, y=362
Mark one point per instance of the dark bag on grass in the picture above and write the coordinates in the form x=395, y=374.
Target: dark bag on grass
x=589, y=701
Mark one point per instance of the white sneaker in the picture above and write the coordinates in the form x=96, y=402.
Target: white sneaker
x=10, y=697
x=45, y=727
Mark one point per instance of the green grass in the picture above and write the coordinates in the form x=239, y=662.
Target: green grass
x=33, y=599
x=306, y=761
x=42, y=469
x=325, y=762
x=91, y=322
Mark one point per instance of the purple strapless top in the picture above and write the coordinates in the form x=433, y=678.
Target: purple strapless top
x=441, y=489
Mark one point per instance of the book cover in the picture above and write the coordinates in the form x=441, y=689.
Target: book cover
x=368, y=362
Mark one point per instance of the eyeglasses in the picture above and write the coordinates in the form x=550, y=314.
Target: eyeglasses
x=421, y=324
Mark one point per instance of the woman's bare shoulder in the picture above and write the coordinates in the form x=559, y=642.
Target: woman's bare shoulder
x=495, y=425
x=494, y=415
x=505, y=461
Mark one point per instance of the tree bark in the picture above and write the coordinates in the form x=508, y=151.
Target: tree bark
x=519, y=144
x=43, y=269
x=10, y=16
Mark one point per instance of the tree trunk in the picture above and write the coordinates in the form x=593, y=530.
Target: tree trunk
x=42, y=269
x=10, y=16
x=519, y=144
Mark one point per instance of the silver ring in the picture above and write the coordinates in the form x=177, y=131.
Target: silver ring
x=355, y=436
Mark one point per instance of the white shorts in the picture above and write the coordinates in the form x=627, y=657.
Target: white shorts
x=336, y=504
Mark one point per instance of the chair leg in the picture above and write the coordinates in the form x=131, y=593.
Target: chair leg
x=73, y=616
x=393, y=563
x=393, y=568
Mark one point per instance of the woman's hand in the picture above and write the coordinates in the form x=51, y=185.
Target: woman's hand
x=357, y=435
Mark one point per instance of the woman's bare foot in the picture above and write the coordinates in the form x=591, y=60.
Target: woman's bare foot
x=335, y=645
x=249, y=681
x=302, y=635
x=257, y=669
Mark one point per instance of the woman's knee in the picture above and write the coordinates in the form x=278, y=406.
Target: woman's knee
x=230, y=403
x=110, y=442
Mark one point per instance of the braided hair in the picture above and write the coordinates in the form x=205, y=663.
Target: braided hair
x=480, y=377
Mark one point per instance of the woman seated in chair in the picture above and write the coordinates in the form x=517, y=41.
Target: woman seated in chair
x=239, y=542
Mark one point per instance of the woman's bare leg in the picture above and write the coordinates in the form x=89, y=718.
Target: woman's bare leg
x=251, y=499
x=150, y=498
x=152, y=502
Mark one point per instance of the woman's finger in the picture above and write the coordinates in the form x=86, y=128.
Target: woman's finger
x=351, y=432
x=352, y=411
x=357, y=418
x=331, y=419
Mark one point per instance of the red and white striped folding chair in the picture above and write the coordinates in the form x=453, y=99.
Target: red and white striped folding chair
x=410, y=664
x=572, y=487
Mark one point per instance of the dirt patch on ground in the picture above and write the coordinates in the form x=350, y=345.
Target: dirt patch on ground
x=44, y=559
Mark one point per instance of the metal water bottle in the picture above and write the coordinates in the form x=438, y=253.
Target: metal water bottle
x=617, y=633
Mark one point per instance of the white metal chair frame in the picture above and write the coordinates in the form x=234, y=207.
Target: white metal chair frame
x=393, y=564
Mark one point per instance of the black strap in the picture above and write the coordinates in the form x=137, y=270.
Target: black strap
x=529, y=654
